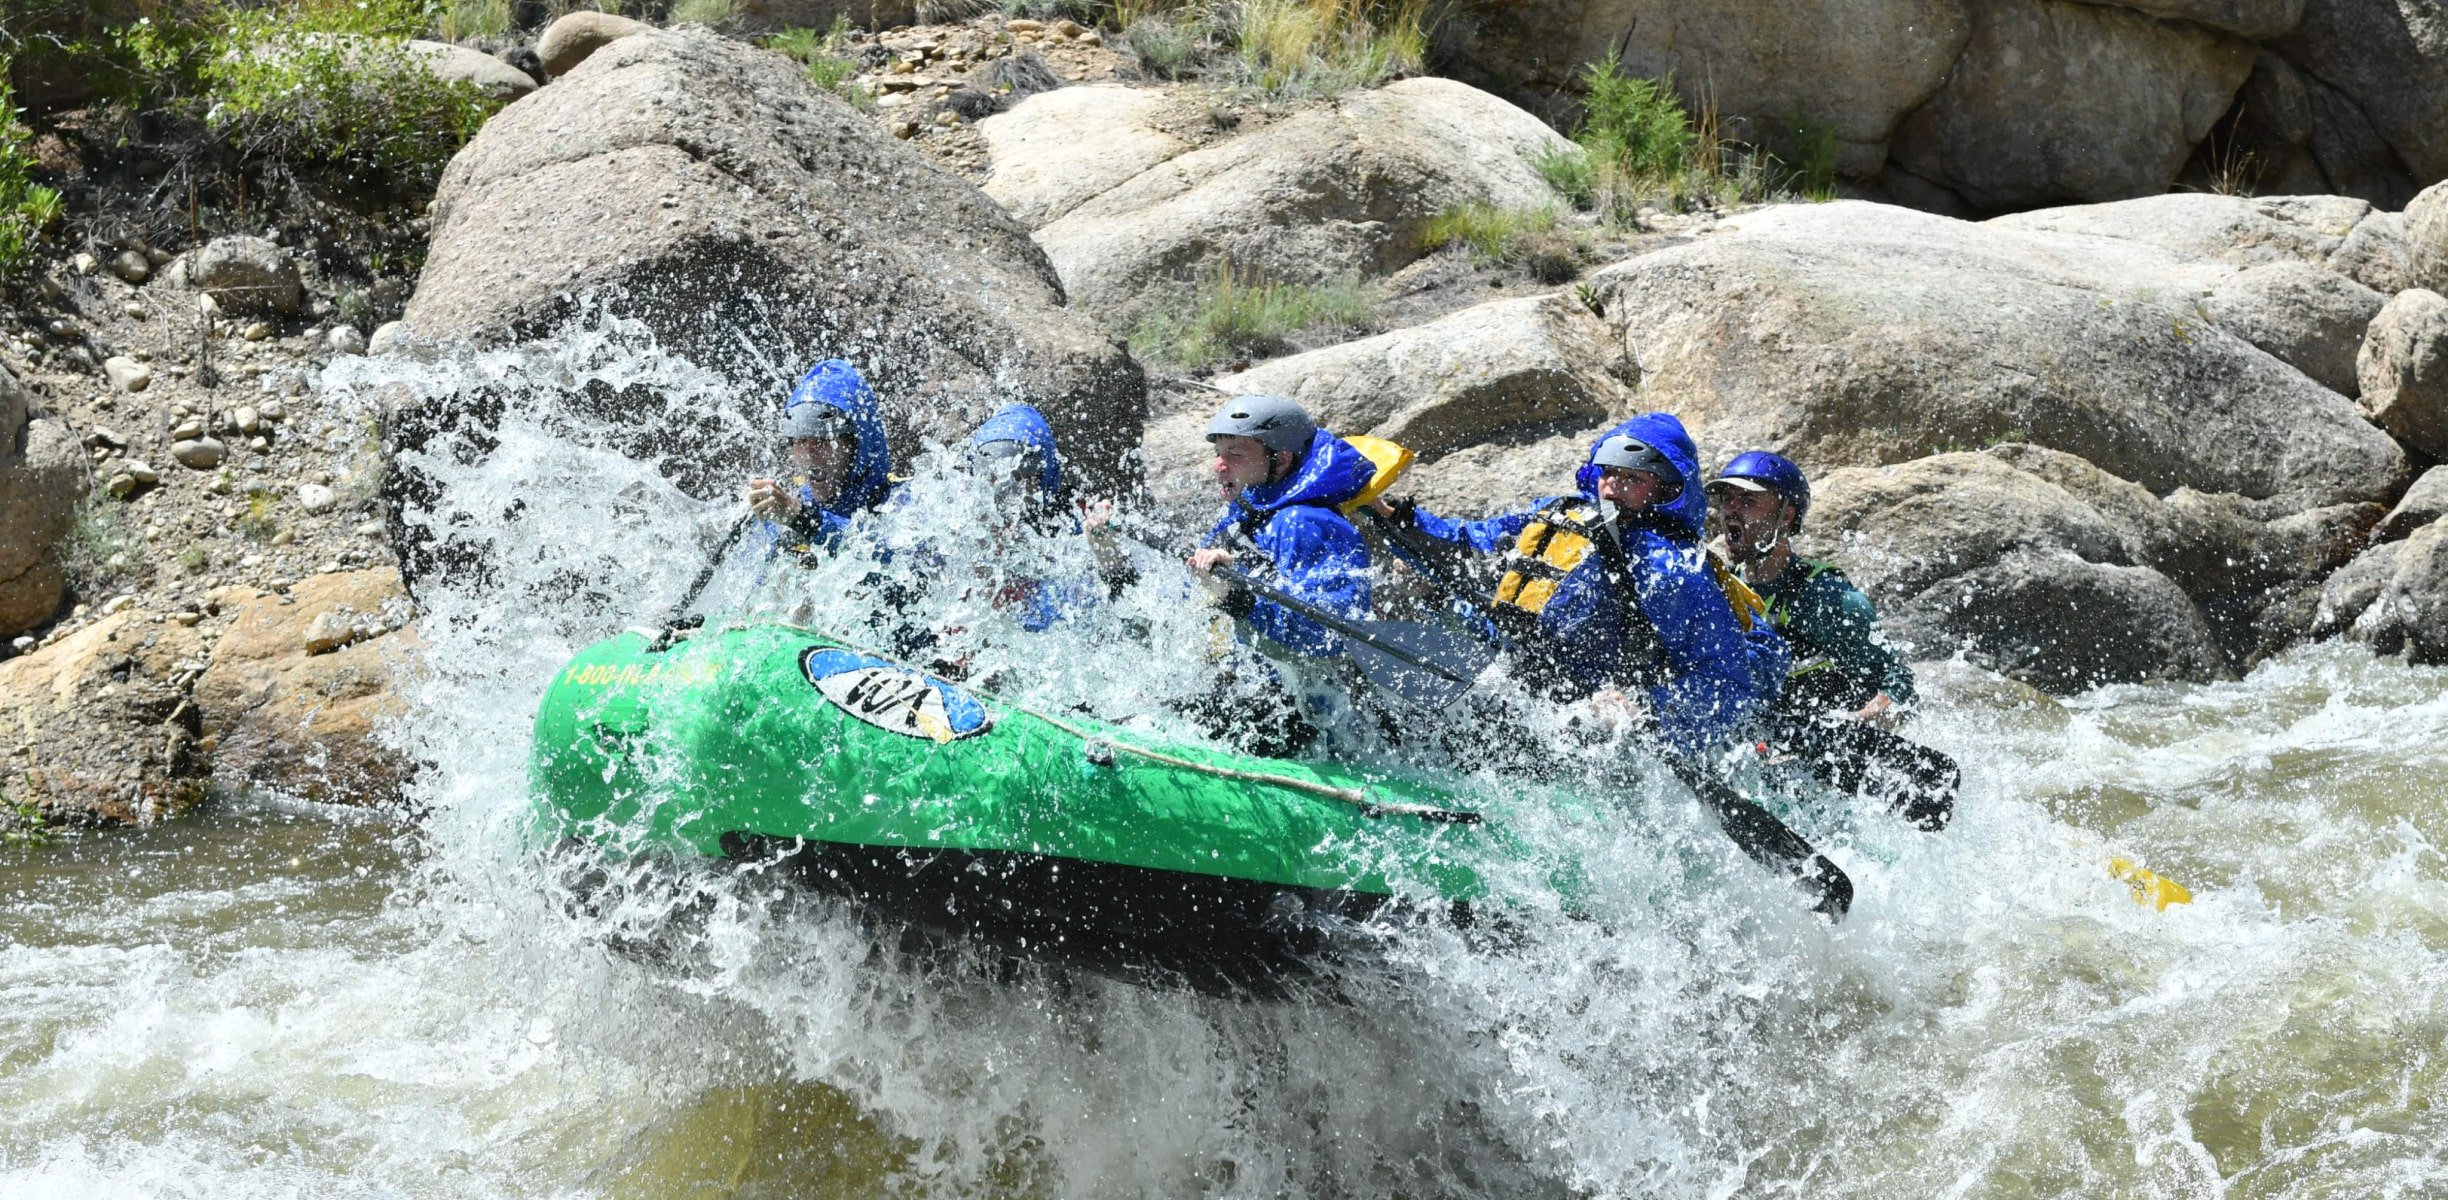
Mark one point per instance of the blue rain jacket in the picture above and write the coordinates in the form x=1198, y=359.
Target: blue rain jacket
x=1040, y=604
x=1314, y=551
x=836, y=384
x=1717, y=676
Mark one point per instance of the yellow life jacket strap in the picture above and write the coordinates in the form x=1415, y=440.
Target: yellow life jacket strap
x=1541, y=556
x=1749, y=608
x=1391, y=461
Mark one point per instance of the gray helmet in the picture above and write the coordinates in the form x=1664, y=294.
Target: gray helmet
x=809, y=419
x=1632, y=454
x=1277, y=423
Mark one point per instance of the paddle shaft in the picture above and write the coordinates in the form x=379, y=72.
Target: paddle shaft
x=1348, y=628
x=697, y=586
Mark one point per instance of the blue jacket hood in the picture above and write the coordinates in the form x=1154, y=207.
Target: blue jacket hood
x=1688, y=511
x=836, y=384
x=1330, y=472
x=1025, y=425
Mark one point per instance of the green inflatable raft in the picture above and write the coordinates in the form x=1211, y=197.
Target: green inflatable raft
x=1048, y=834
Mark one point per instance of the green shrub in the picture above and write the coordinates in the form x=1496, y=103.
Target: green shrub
x=466, y=19
x=22, y=824
x=1637, y=125
x=258, y=523
x=325, y=81
x=1535, y=239
x=27, y=208
x=823, y=55
x=1231, y=315
x=1568, y=170
x=703, y=12
x=1290, y=48
x=100, y=550
x=1166, y=45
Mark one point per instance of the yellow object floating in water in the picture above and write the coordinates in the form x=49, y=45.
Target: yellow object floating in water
x=2149, y=887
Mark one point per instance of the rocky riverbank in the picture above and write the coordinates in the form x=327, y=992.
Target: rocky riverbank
x=2163, y=437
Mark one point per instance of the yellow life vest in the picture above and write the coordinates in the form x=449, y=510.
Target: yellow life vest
x=1390, y=460
x=1550, y=548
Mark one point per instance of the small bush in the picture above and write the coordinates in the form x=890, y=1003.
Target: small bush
x=258, y=523
x=466, y=19
x=1568, y=170
x=27, y=208
x=325, y=81
x=823, y=56
x=1235, y=315
x=1535, y=239
x=1289, y=48
x=1165, y=45
x=22, y=824
x=703, y=12
x=100, y=551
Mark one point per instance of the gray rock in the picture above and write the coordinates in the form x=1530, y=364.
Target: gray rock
x=568, y=41
x=2425, y=502
x=345, y=339
x=188, y=429
x=2404, y=370
x=202, y=454
x=2343, y=234
x=2409, y=615
x=127, y=374
x=315, y=498
x=1852, y=334
x=729, y=200
x=2346, y=595
x=1336, y=191
x=1058, y=149
x=2058, y=101
x=2389, y=60
x=2426, y=236
x=246, y=420
x=391, y=337
x=2310, y=317
x=2295, y=135
x=247, y=275
x=460, y=64
x=131, y=266
x=43, y=475
x=1498, y=372
x=2062, y=623
x=1851, y=66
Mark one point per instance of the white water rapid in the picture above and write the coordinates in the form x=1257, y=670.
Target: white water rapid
x=275, y=1000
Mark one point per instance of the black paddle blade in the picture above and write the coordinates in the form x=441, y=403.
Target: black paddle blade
x=1770, y=842
x=1426, y=665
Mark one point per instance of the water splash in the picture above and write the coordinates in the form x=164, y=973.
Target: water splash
x=229, y=1008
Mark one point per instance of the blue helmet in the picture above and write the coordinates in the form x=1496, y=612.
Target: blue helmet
x=1760, y=471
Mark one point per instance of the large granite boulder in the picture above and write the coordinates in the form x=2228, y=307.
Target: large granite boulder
x=42, y=478
x=1856, y=334
x=2310, y=318
x=1853, y=66
x=2342, y=234
x=2056, y=101
x=1056, y=150
x=751, y=223
x=1344, y=189
x=299, y=685
x=2291, y=133
x=2404, y=370
x=100, y=725
x=2407, y=612
x=2389, y=58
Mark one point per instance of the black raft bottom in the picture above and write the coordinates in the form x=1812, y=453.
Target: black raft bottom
x=1210, y=932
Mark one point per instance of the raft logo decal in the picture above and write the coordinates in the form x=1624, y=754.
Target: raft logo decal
x=894, y=699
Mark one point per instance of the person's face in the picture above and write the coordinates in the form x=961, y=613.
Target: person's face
x=1241, y=463
x=825, y=462
x=1752, y=519
x=1632, y=491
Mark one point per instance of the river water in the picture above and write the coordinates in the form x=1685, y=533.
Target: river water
x=270, y=999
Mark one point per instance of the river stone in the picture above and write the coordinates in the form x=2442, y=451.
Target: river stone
x=127, y=374
x=1854, y=334
x=498, y=80
x=315, y=498
x=1055, y=150
x=2134, y=624
x=294, y=711
x=2425, y=502
x=345, y=339
x=131, y=266
x=1505, y=372
x=247, y=275
x=1344, y=189
x=2346, y=595
x=2409, y=614
x=568, y=41
x=2059, y=101
x=43, y=474
x=2389, y=59
x=754, y=223
x=1851, y=66
x=2426, y=234
x=2310, y=317
x=96, y=730
x=2404, y=370
x=391, y=337
x=202, y=454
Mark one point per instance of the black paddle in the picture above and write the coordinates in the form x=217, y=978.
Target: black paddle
x=1421, y=663
x=671, y=625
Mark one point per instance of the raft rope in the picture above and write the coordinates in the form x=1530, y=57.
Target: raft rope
x=1092, y=744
